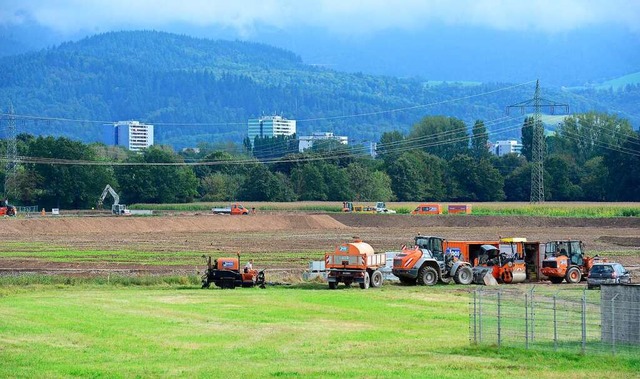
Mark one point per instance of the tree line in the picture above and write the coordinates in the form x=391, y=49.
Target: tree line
x=591, y=157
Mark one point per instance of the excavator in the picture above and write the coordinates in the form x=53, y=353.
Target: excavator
x=116, y=208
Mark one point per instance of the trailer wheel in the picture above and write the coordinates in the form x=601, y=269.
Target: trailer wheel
x=367, y=281
x=376, y=279
x=427, y=276
x=556, y=279
x=464, y=275
x=333, y=285
x=573, y=275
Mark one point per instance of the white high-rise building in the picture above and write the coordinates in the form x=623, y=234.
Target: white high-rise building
x=501, y=148
x=270, y=126
x=133, y=135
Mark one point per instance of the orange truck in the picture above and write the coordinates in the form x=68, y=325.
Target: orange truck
x=565, y=260
x=427, y=209
x=355, y=262
x=233, y=209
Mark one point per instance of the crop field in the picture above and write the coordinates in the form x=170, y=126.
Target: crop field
x=107, y=296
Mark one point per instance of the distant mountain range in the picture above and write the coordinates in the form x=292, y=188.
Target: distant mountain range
x=199, y=90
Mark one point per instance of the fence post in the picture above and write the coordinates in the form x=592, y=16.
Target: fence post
x=555, y=324
x=499, y=317
x=480, y=316
x=584, y=320
x=526, y=321
x=475, y=314
x=613, y=324
x=533, y=315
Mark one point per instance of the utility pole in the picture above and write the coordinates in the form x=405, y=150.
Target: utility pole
x=12, y=154
x=537, y=143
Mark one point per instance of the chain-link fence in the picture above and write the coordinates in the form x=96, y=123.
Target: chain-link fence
x=557, y=318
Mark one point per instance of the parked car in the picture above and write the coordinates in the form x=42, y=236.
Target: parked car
x=607, y=273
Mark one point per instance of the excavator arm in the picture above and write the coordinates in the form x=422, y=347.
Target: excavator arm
x=108, y=190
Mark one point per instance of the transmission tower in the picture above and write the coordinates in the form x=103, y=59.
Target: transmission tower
x=12, y=153
x=537, y=143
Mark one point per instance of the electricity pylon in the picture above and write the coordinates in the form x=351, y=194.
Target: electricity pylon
x=537, y=141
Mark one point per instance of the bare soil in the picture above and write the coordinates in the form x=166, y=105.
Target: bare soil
x=308, y=234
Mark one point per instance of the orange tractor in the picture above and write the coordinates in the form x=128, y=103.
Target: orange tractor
x=226, y=273
x=355, y=262
x=565, y=260
x=505, y=263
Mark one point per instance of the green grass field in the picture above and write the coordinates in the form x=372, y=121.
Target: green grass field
x=88, y=328
x=549, y=209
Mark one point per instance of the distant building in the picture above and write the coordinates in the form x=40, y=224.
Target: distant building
x=132, y=135
x=270, y=126
x=306, y=142
x=501, y=148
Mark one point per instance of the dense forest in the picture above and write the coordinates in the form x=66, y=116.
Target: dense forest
x=203, y=91
x=593, y=156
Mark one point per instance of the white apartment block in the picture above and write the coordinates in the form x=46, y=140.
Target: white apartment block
x=306, y=142
x=270, y=126
x=501, y=148
x=133, y=135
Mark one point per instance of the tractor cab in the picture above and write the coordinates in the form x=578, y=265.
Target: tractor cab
x=433, y=244
x=570, y=250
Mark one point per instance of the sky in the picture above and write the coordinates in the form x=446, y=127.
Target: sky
x=341, y=17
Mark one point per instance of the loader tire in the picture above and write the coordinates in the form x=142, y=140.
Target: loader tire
x=333, y=285
x=556, y=280
x=573, y=275
x=376, y=279
x=367, y=281
x=464, y=275
x=427, y=276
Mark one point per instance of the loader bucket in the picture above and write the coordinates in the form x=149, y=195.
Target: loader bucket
x=484, y=276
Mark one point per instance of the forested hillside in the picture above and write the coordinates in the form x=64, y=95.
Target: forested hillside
x=197, y=90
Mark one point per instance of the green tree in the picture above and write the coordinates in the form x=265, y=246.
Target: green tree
x=475, y=181
x=586, y=136
x=480, y=141
x=562, y=182
x=441, y=136
x=527, y=138
x=154, y=178
x=594, y=182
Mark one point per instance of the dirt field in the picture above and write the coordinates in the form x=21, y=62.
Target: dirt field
x=296, y=237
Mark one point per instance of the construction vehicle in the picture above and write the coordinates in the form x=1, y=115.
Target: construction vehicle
x=225, y=273
x=7, y=209
x=355, y=262
x=565, y=260
x=233, y=209
x=432, y=259
x=427, y=209
x=116, y=207
x=381, y=207
x=504, y=263
x=347, y=206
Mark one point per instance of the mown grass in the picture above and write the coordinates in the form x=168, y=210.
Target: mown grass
x=98, y=330
x=550, y=209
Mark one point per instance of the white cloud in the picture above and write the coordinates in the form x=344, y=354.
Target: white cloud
x=338, y=16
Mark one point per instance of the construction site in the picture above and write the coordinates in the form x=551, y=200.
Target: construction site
x=173, y=243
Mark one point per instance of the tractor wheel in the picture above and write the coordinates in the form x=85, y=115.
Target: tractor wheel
x=573, y=275
x=556, y=280
x=427, y=276
x=464, y=275
x=333, y=285
x=376, y=279
x=367, y=281
x=445, y=279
